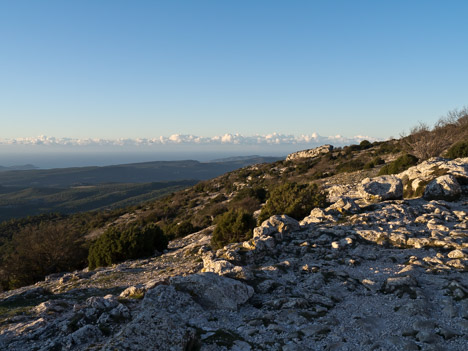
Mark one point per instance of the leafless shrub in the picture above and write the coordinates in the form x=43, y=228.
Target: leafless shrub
x=424, y=142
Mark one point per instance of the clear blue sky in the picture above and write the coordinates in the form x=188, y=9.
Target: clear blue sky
x=112, y=69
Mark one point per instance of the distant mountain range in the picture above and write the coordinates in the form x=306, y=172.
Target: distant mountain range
x=26, y=190
x=158, y=171
x=18, y=168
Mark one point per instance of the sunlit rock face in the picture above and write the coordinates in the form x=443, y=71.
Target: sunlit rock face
x=310, y=153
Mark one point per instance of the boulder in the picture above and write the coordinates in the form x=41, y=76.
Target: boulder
x=160, y=324
x=345, y=205
x=85, y=335
x=444, y=187
x=133, y=292
x=224, y=267
x=213, y=291
x=277, y=223
x=317, y=215
x=382, y=188
x=433, y=167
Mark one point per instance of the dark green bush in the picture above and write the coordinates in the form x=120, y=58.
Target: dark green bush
x=42, y=249
x=365, y=144
x=117, y=245
x=293, y=200
x=374, y=162
x=457, y=150
x=177, y=230
x=255, y=192
x=351, y=148
x=218, y=198
x=233, y=226
x=350, y=166
x=399, y=165
x=387, y=147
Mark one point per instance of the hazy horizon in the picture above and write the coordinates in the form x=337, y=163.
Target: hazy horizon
x=50, y=160
x=51, y=152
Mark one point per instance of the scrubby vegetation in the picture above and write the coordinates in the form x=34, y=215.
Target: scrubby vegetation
x=117, y=245
x=229, y=201
x=425, y=142
x=232, y=227
x=399, y=165
x=41, y=249
x=294, y=200
x=457, y=150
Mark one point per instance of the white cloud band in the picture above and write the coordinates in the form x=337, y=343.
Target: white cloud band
x=184, y=139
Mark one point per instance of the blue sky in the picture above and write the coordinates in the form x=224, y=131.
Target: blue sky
x=143, y=69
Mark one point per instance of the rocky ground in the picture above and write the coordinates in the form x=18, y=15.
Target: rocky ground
x=370, y=272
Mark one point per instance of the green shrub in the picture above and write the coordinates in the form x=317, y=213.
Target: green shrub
x=41, y=249
x=387, y=147
x=218, y=198
x=351, y=148
x=117, y=245
x=350, y=166
x=365, y=144
x=255, y=192
x=233, y=226
x=457, y=150
x=178, y=230
x=374, y=162
x=293, y=200
x=399, y=165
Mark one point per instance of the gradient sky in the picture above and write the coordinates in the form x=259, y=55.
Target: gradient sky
x=141, y=69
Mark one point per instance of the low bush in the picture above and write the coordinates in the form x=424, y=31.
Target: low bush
x=365, y=144
x=374, y=162
x=233, y=226
x=399, y=165
x=293, y=200
x=178, y=230
x=350, y=166
x=425, y=142
x=387, y=147
x=117, y=245
x=254, y=192
x=457, y=150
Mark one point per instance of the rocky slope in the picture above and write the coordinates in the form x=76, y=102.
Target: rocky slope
x=370, y=272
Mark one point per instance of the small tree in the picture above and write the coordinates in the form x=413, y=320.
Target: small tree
x=425, y=142
x=117, y=245
x=233, y=226
x=42, y=249
x=293, y=200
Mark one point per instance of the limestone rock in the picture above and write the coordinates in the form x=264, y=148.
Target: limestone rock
x=161, y=323
x=317, y=215
x=381, y=188
x=457, y=254
x=214, y=291
x=275, y=224
x=310, y=153
x=391, y=276
x=345, y=205
x=444, y=187
x=133, y=292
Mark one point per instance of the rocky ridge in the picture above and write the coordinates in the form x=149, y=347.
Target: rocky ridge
x=372, y=271
x=310, y=153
